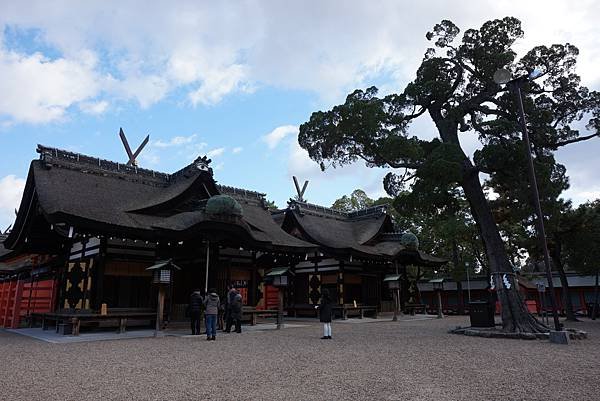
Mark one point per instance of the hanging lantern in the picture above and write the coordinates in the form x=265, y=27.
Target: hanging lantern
x=162, y=271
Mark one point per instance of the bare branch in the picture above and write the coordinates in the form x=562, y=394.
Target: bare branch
x=412, y=166
x=574, y=140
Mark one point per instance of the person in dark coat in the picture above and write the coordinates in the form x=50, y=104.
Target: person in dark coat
x=211, y=310
x=195, y=310
x=228, y=301
x=236, y=311
x=325, y=313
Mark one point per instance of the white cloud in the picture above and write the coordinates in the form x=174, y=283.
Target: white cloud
x=176, y=141
x=210, y=50
x=215, y=152
x=95, y=108
x=273, y=138
x=217, y=84
x=37, y=90
x=146, y=89
x=11, y=190
x=237, y=150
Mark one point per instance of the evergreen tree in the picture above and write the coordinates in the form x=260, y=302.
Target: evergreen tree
x=454, y=85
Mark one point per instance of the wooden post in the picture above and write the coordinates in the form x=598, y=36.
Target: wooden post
x=207, y=265
x=160, y=309
x=280, y=308
x=396, y=296
x=439, y=297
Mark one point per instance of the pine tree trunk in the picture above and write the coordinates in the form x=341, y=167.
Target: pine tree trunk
x=515, y=316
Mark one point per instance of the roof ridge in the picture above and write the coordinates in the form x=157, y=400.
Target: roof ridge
x=354, y=215
x=73, y=160
x=246, y=193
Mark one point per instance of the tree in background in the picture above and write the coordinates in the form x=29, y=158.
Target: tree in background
x=580, y=241
x=271, y=205
x=445, y=229
x=454, y=85
x=357, y=200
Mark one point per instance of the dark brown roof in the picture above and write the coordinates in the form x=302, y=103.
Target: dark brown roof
x=259, y=218
x=367, y=232
x=335, y=230
x=99, y=196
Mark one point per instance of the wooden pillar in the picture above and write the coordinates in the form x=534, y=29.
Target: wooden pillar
x=340, y=283
x=98, y=277
x=314, y=284
x=207, y=267
x=160, y=307
x=280, y=308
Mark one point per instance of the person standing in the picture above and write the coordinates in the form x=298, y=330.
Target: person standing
x=211, y=310
x=228, y=302
x=195, y=310
x=325, y=313
x=236, y=311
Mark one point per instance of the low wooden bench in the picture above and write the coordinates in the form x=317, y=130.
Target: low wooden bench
x=338, y=310
x=303, y=309
x=254, y=313
x=414, y=308
x=361, y=309
x=76, y=318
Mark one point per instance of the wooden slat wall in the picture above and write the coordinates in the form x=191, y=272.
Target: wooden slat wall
x=38, y=297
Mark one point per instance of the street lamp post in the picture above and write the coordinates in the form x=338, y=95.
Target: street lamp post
x=503, y=77
x=468, y=282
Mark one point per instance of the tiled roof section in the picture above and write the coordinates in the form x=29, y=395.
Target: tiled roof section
x=322, y=211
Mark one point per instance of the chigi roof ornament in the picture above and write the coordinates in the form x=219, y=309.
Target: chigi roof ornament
x=132, y=156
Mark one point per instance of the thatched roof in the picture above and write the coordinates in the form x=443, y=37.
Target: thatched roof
x=66, y=189
x=365, y=233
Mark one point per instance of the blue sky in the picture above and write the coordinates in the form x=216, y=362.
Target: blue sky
x=234, y=80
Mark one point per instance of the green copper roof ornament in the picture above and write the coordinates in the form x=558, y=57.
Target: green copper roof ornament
x=410, y=241
x=223, y=205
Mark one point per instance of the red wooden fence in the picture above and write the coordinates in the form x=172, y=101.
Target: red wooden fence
x=19, y=298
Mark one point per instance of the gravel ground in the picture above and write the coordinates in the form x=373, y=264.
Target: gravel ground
x=414, y=360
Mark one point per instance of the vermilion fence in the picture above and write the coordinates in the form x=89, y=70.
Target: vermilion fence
x=20, y=298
